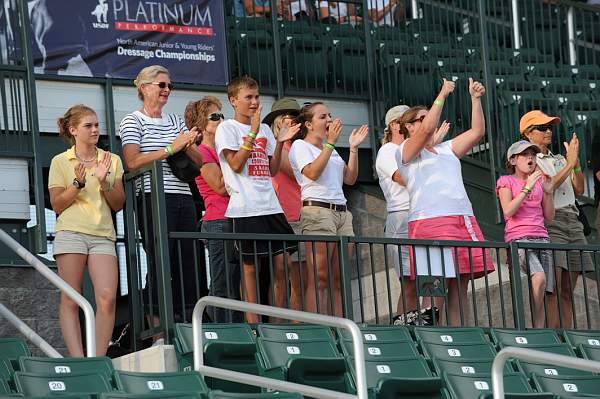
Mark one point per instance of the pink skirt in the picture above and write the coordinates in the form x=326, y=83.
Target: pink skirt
x=457, y=228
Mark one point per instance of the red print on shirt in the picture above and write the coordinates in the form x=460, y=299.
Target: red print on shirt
x=258, y=161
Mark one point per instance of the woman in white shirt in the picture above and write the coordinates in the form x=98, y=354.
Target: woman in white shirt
x=321, y=173
x=440, y=208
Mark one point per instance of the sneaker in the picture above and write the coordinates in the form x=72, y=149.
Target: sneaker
x=423, y=317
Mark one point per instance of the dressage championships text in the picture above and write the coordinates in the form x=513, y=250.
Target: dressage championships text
x=174, y=55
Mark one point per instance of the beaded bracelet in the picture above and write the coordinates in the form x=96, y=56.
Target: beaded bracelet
x=329, y=146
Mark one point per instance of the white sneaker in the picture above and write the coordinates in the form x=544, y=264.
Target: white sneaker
x=159, y=342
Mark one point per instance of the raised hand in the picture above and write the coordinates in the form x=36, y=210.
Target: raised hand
x=103, y=168
x=334, y=131
x=447, y=88
x=255, y=121
x=533, y=178
x=441, y=132
x=193, y=135
x=182, y=141
x=547, y=184
x=80, y=172
x=358, y=136
x=476, y=89
x=572, y=151
x=287, y=132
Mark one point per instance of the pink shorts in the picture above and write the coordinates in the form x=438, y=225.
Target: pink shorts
x=457, y=228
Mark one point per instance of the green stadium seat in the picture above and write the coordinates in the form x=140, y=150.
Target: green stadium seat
x=529, y=369
x=168, y=395
x=375, y=351
x=401, y=377
x=254, y=51
x=591, y=352
x=264, y=395
x=518, y=83
x=294, y=332
x=4, y=388
x=465, y=351
x=61, y=396
x=451, y=335
x=379, y=334
x=582, y=337
x=466, y=366
x=349, y=66
x=576, y=385
x=462, y=386
x=500, y=68
x=34, y=384
x=12, y=348
x=305, y=61
x=60, y=366
x=504, y=337
x=6, y=370
x=228, y=346
x=167, y=382
x=316, y=363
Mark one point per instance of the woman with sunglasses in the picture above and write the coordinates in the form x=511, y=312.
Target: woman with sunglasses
x=321, y=173
x=206, y=116
x=565, y=228
x=439, y=206
x=149, y=135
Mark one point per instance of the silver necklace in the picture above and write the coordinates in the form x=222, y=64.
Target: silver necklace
x=87, y=160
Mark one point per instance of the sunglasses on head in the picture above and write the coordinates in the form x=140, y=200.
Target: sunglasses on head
x=543, y=128
x=419, y=119
x=163, y=85
x=216, y=116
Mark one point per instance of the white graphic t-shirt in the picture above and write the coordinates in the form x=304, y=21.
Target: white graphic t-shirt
x=251, y=191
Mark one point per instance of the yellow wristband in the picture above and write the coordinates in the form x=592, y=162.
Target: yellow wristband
x=245, y=147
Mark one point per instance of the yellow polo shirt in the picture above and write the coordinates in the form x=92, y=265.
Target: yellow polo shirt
x=89, y=213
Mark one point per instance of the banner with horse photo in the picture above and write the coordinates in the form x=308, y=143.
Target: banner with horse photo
x=117, y=38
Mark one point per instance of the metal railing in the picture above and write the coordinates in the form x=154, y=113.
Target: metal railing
x=534, y=356
x=65, y=288
x=337, y=322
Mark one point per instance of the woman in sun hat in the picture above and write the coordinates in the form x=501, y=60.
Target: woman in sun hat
x=283, y=112
x=567, y=181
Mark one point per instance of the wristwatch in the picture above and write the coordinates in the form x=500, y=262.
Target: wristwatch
x=78, y=185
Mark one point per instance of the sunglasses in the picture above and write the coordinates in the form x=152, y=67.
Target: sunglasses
x=419, y=119
x=216, y=116
x=543, y=128
x=163, y=85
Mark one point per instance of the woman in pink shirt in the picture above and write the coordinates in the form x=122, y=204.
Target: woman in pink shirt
x=224, y=271
x=526, y=199
x=284, y=111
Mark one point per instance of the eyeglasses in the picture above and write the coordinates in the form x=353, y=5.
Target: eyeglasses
x=216, y=116
x=163, y=85
x=543, y=128
x=419, y=119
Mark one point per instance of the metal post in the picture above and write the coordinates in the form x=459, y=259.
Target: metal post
x=414, y=6
x=33, y=124
x=286, y=386
x=534, y=356
x=276, y=49
x=516, y=24
x=110, y=115
x=90, y=319
x=346, y=275
x=161, y=254
x=516, y=288
x=571, y=33
x=28, y=332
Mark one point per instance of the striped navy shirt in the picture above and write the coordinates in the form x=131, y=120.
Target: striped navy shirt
x=153, y=134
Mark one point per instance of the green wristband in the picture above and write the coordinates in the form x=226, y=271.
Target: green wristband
x=169, y=149
x=329, y=146
x=252, y=135
x=577, y=169
x=439, y=103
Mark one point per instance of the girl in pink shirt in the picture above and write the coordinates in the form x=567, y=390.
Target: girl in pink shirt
x=526, y=199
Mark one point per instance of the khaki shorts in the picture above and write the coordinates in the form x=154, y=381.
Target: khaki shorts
x=300, y=255
x=315, y=220
x=567, y=229
x=71, y=242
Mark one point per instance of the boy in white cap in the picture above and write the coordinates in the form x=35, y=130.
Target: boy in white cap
x=526, y=199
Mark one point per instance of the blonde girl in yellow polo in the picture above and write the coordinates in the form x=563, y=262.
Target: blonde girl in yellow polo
x=85, y=184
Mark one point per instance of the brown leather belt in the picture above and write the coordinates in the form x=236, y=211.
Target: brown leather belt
x=339, y=208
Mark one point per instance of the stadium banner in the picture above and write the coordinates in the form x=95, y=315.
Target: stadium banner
x=117, y=38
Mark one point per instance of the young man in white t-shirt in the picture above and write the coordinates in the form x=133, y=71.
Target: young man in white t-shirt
x=249, y=155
